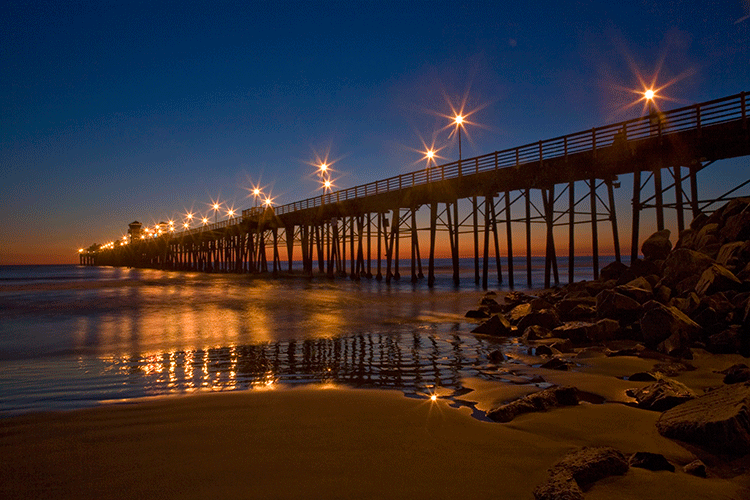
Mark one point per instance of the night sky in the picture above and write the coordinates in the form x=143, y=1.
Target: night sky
x=117, y=111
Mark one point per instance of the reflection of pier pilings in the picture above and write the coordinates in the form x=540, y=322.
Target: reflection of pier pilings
x=536, y=191
x=407, y=362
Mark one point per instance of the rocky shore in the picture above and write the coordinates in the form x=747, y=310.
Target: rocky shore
x=685, y=310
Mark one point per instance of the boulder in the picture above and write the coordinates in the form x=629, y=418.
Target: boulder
x=684, y=263
x=547, y=318
x=578, y=332
x=554, y=397
x=604, y=330
x=496, y=325
x=736, y=374
x=516, y=298
x=730, y=255
x=518, y=312
x=477, y=314
x=718, y=420
x=695, y=468
x=614, y=305
x=643, y=377
x=566, y=306
x=496, y=356
x=661, y=395
x=650, y=461
x=612, y=271
x=728, y=341
x=717, y=278
x=536, y=332
x=559, y=487
x=580, y=468
x=667, y=329
x=638, y=289
x=736, y=227
x=657, y=246
x=556, y=364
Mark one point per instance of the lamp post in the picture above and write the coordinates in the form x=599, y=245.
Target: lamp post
x=216, y=206
x=459, y=121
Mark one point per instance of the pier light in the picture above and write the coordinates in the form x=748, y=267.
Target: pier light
x=189, y=216
x=267, y=202
x=230, y=213
x=143, y=236
x=649, y=95
x=186, y=225
x=459, y=120
x=327, y=184
x=323, y=168
x=80, y=250
x=433, y=397
x=204, y=220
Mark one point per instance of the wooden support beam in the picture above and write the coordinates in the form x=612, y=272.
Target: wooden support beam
x=475, y=220
x=594, y=229
x=433, y=227
x=571, y=230
x=636, y=216
x=485, y=253
x=613, y=220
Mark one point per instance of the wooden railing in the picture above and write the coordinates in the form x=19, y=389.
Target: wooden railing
x=727, y=109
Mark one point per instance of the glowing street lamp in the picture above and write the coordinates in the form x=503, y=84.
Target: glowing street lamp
x=267, y=202
x=256, y=194
x=323, y=168
x=459, y=121
x=230, y=213
x=216, y=206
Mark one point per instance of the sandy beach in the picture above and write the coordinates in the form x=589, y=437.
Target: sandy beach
x=340, y=442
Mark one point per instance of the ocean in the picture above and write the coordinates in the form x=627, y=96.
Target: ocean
x=74, y=337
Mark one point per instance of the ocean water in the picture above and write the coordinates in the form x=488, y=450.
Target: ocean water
x=73, y=336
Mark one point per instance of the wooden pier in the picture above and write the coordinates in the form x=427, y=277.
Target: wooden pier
x=358, y=232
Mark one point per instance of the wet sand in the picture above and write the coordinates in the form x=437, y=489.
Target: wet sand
x=347, y=443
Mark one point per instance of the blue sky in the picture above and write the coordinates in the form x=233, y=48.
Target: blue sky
x=116, y=111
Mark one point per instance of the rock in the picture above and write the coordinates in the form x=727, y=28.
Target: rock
x=662, y=395
x=539, y=304
x=728, y=341
x=667, y=329
x=556, y=364
x=638, y=289
x=566, y=306
x=730, y=255
x=604, y=330
x=663, y=294
x=536, y=332
x=736, y=227
x=576, y=331
x=610, y=304
x=695, y=468
x=716, y=279
x=560, y=487
x=612, y=271
x=496, y=356
x=718, y=420
x=580, y=468
x=520, y=311
x=684, y=263
x=487, y=301
x=547, y=318
x=554, y=397
x=496, y=325
x=543, y=350
x=650, y=461
x=657, y=246
x=736, y=374
x=477, y=314
x=516, y=298
x=642, y=377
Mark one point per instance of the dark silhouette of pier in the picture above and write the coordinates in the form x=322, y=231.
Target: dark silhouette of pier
x=363, y=227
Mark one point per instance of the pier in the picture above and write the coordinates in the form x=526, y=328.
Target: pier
x=480, y=203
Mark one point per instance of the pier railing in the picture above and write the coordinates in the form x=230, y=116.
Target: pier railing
x=694, y=117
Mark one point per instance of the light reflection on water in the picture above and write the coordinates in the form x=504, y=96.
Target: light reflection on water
x=78, y=343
